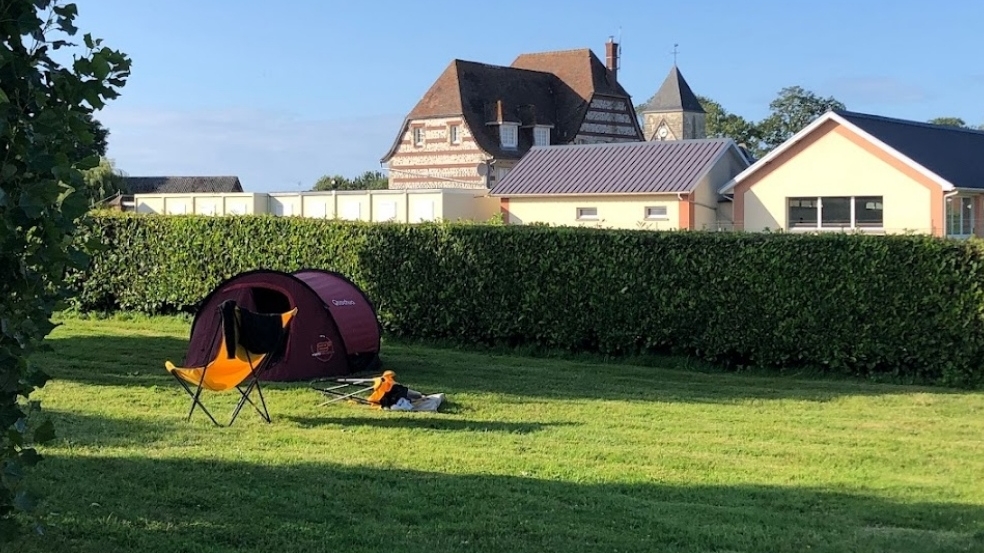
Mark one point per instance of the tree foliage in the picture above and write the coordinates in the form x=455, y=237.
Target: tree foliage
x=369, y=180
x=46, y=128
x=99, y=144
x=103, y=182
x=790, y=112
x=720, y=123
x=949, y=122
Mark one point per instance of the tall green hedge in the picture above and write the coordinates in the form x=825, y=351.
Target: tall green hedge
x=906, y=306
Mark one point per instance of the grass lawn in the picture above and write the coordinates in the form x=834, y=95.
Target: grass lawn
x=529, y=455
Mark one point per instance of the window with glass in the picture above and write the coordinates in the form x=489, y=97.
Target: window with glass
x=541, y=136
x=509, y=134
x=656, y=212
x=960, y=216
x=835, y=212
x=587, y=213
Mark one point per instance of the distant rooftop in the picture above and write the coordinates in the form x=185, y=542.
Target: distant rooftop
x=182, y=185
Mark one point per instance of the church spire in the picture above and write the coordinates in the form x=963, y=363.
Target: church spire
x=674, y=112
x=674, y=95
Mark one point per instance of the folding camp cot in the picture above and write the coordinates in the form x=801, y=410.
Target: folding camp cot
x=383, y=392
x=368, y=391
x=249, y=343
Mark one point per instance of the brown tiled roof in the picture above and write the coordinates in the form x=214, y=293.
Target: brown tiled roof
x=621, y=168
x=181, y=185
x=558, y=85
x=580, y=69
x=475, y=90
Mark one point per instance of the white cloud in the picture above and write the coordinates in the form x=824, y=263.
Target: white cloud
x=269, y=151
x=877, y=90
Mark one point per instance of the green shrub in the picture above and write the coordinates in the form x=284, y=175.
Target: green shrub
x=907, y=307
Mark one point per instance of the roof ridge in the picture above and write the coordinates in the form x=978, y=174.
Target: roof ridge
x=910, y=122
x=636, y=143
x=555, y=52
x=456, y=61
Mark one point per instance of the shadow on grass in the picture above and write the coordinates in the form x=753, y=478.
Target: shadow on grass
x=139, y=361
x=167, y=505
x=425, y=422
x=76, y=430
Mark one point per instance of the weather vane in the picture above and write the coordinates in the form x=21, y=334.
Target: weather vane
x=675, y=52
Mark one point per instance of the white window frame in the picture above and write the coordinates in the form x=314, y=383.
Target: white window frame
x=454, y=134
x=509, y=135
x=819, y=207
x=586, y=214
x=651, y=216
x=965, y=214
x=541, y=135
x=418, y=136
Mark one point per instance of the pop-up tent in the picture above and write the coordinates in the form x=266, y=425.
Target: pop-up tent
x=335, y=332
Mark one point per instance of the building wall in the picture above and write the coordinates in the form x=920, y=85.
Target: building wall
x=608, y=119
x=437, y=163
x=356, y=205
x=709, y=212
x=836, y=162
x=626, y=212
x=681, y=125
x=201, y=204
x=475, y=207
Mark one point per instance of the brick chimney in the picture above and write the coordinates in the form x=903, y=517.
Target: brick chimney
x=611, y=56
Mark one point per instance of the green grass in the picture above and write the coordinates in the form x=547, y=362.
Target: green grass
x=529, y=455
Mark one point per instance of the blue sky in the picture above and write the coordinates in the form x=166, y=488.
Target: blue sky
x=280, y=96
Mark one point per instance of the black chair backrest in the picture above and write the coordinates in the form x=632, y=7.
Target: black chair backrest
x=261, y=333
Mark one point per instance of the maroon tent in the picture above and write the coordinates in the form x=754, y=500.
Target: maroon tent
x=335, y=332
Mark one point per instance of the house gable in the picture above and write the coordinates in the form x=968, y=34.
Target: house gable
x=609, y=119
x=821, y=125
x=861, y=167
x=437, y=152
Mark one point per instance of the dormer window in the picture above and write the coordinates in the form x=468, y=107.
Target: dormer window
x=541, y=136
x=509, y=135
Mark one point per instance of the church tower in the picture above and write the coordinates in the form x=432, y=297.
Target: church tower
x=674, y=113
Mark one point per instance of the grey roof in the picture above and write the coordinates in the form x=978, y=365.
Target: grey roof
x=674, y=95
x=618, y=168
x=181, y=185
x=955, y=154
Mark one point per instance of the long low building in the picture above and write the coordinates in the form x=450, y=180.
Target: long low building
x=403, y=206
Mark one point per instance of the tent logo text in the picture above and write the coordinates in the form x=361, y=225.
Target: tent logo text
x=342, y=302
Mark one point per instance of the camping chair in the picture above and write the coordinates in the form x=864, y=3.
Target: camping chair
x=250, y=342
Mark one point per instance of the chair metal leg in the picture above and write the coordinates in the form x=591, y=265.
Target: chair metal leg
x=195, y=400
x=254, y=383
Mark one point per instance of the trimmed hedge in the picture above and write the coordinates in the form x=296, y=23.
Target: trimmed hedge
x=902, y=306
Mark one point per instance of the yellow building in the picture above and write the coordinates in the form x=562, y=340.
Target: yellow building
x=855, y=172
x=652, y=185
